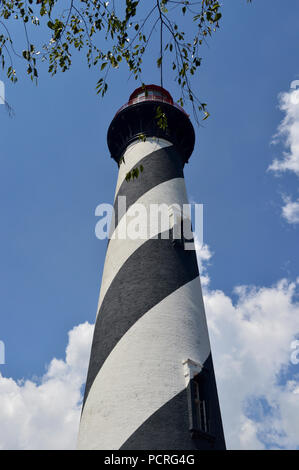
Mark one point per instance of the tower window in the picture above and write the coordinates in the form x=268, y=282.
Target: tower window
x=198, y=400
x=180, y=225
x=201, y=420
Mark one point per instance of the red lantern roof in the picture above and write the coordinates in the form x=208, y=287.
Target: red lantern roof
x=151, y=93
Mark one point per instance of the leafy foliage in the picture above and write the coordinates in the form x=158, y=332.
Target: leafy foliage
x=161, y=118
x=109, y=36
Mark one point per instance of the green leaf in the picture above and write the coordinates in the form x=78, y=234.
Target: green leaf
x=26, y=55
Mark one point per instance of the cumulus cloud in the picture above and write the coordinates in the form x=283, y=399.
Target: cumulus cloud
x=251, y=342
x=288, y=133
x=45, y=413
x=290, y=210
x=203, y=255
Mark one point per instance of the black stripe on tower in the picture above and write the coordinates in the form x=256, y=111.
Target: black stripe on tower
x=151, y=273
x=171, y=427
x=158, y=167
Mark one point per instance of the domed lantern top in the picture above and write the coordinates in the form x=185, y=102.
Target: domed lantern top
x=137, y=117
x=150, y=93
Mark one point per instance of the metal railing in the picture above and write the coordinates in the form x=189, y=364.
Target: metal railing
x=157, y=98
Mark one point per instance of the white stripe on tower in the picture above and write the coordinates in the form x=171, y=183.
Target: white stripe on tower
x=150, y=315
x=152, y=351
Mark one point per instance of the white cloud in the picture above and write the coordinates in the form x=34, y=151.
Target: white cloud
x=290, y=211
x=251, y=340
x=288, y=134
x=203, y=255
x=45, y=414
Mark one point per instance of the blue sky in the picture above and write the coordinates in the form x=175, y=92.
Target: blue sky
x=55, y=169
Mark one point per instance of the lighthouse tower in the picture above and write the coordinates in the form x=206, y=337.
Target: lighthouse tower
x=151, y=382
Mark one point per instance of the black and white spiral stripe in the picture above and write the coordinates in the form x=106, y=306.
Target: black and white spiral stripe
x=150, y=318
